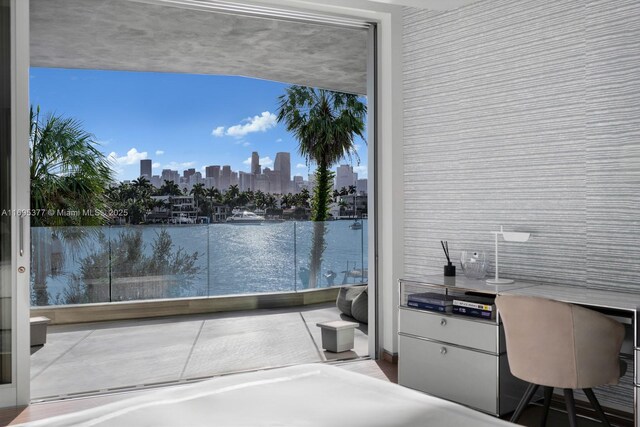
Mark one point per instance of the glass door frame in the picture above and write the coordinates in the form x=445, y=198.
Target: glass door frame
x=18, y=392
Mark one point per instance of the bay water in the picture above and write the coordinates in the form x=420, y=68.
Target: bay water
x=231, y=259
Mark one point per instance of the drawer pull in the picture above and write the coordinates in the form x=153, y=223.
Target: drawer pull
x=443, y=322
x=443, y=351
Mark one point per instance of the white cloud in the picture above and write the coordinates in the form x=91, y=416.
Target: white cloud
x=361, y=170
x=177, y=165
x=133, y=156
x=159, y=152
x=261, y=123
x=279, y=140
x=265, y=162
x=246, y=144
x=155, y=165
x=219, y=131
x=301, y=166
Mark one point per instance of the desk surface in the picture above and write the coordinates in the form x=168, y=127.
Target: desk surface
x=463, y=283
x=583, y=296
x=573, y=294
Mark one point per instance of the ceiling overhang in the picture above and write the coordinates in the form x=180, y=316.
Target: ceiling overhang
x=141, y=36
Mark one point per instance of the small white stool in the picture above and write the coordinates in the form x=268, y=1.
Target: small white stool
x=337, y=336
x=39, y=330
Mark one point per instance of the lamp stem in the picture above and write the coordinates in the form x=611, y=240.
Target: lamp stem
x=496, y=257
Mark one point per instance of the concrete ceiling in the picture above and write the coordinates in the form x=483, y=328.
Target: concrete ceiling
x=133, y=36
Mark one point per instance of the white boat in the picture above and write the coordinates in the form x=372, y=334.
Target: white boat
x=245, y=217
x=182, y=219
x=356, y=225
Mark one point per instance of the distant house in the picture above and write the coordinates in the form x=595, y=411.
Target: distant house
x=174, y=209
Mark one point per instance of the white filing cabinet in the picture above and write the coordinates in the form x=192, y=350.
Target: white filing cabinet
x=455, y=357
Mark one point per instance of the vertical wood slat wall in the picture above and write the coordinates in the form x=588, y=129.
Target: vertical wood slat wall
x=525, y=114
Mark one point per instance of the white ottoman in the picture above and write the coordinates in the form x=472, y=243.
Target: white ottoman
x=39, y=330
x=337, y=336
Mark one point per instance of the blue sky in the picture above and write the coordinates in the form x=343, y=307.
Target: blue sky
x=179, y=121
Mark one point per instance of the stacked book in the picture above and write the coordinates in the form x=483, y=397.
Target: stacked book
x=431, y=301
x=475, y=306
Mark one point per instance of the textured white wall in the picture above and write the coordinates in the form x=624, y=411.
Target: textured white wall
x=525, y=114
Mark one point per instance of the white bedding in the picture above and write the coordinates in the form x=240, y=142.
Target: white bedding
x=300, y=396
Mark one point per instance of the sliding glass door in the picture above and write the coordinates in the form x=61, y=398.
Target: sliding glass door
x=14, y=202
x=6, y=312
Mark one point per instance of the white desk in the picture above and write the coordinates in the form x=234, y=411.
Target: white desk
x=420, y=330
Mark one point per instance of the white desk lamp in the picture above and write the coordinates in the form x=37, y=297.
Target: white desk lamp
x=508, y=237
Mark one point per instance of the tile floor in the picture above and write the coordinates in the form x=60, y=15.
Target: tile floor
x=97, y=357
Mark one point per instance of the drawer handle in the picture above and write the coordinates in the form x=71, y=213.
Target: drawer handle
x=443, y=322
x=443, y=351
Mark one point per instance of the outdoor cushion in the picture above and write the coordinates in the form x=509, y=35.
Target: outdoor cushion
x=360, y=307
x=346, y=296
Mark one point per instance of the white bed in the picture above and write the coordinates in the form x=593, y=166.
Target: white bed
x=300, y=396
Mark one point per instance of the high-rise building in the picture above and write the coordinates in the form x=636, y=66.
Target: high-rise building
x=170, y=175
x=145, y=168
x=246, y=181
x=282, y=165
x=261, y=183
x=361, y=186
x=187, y=173
x=156, y=181
x=298, y=183
x=166, y=175
x=225, y=178
x=196, y=178
x=275, y=180
x=214, y=172
x=345, y=177
x=255, y=163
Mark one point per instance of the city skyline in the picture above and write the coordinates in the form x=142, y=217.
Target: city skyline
x=178, y=121
x=278, y=180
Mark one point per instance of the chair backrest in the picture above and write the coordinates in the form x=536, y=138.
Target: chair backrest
x=558, y=344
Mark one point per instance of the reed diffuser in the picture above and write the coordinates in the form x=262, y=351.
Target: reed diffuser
x=449, y=269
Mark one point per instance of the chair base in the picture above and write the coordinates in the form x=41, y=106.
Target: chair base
x=569, y=402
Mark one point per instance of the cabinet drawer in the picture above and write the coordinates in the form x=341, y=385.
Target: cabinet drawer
x=450, y=329
x=463, y=376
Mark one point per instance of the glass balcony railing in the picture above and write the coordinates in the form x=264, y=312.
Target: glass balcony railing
x=79, y=265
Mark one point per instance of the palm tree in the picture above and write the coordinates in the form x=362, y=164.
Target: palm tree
x=260, y=199
x=343, y=205
x=325, y=124
x=231, y=196
x=286, y=200
x=270, y=201
x=170, y=188
x=302, y=198
x=198, y=192
x=67, y=170
x=214, y=194
x=68, y=173
x=142, y=184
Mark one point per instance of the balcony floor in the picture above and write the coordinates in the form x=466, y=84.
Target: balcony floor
x=106, y=356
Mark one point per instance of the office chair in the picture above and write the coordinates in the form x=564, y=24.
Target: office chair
x=558, y=345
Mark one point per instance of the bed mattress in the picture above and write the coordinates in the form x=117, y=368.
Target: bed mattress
x=300, y=396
